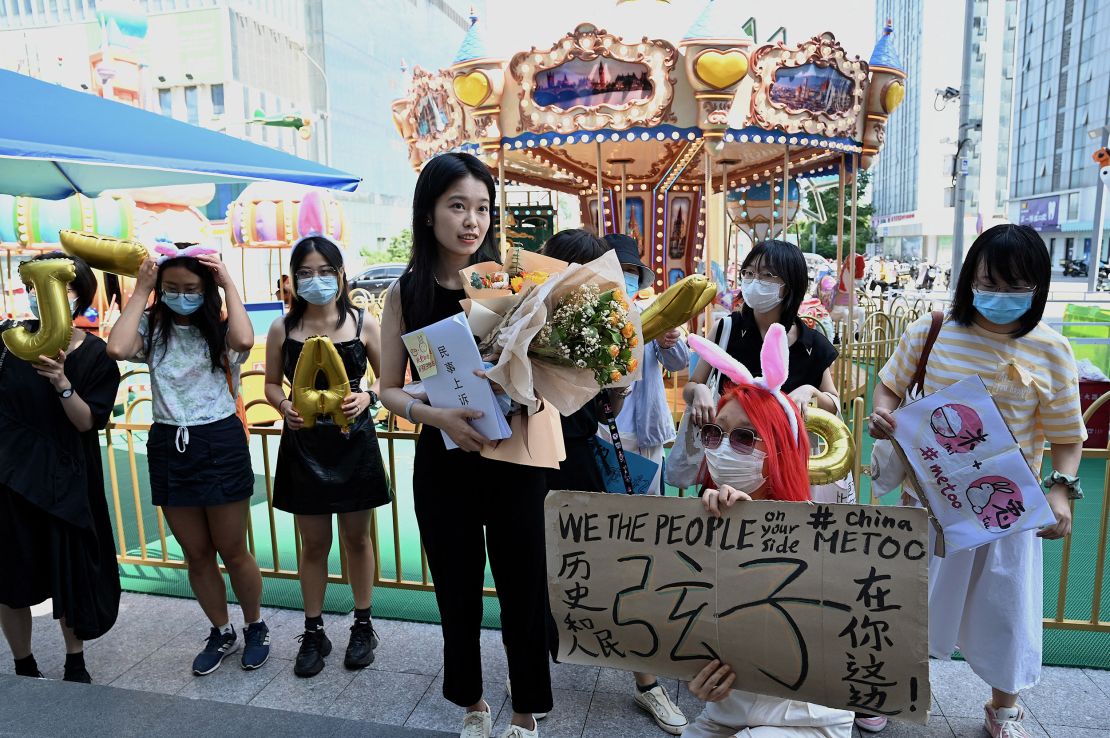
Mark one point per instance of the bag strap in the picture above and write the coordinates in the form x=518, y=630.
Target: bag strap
x=917, y=385
x=724, y=333
x=614, y=434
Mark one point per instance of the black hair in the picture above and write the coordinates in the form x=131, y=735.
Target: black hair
x=326, y=248
x=83, y=284
x=438, y=174
x=574, y=245
x=208, y=319
x=785, y=260
x=1011, y=253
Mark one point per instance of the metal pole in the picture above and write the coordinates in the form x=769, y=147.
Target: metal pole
x=840, y=214
x=786, y=189
x=725, y=255
x=1096, y=240
x=961, y=181
x=600, y=198
x=327, y=104
x=852, y=238
x=623, y=228
x=501, y=208
x=706, y=253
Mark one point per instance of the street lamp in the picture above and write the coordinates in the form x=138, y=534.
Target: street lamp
x=327, y=99
x=1102, y=134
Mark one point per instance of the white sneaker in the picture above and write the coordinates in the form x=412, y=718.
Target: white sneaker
x=662, y=709
x=477, y=724
x=509, y=692
x=1005, y=722
x=515, y=731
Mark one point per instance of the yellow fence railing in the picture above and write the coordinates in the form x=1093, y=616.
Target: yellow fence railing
x=855, y=373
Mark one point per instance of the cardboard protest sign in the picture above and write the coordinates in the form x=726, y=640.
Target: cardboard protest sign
x=820, y=603
x=964, y=460
x=446, y=357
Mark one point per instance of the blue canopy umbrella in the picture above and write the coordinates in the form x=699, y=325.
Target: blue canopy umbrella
x=55, y=142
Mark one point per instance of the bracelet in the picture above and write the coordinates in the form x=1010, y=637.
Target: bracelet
x=408, y=410
x=1074, y=486
x=284, y=400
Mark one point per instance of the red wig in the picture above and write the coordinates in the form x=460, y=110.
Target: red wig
x=787, y=461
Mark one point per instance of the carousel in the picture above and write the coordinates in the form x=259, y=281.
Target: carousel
x=678, y=146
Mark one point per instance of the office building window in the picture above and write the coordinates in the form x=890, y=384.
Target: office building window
x=217, y=99
x=191, y=104
x=165, y=102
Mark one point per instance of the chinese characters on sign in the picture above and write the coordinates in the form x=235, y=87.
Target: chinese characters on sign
x=821, y=603
x=963, y=457
x=449, y=348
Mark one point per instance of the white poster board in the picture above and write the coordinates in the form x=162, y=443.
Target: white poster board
x=446, y=357
x=965, y=461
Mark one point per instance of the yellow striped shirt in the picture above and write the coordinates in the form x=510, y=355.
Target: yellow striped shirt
x=1033, y=379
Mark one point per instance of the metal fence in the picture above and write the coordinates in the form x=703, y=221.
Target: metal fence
x=855, y=372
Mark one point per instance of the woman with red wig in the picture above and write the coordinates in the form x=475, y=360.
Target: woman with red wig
x=756, y=449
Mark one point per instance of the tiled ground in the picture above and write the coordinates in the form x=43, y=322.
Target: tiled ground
x=152, y=646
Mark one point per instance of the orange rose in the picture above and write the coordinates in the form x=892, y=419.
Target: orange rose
x=614, y=319
x=615, y=376
x=632, y=365
x=614, y=350
x=628, y=330
x=633, y=341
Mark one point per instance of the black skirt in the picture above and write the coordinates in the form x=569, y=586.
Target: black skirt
x=321, y=472
x=45, y=557
x=201, y=465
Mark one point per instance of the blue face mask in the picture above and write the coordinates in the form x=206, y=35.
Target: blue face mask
x=318, y=290
x=34, y=304
x=1002, y=307
x=182, y=303
x=631, y=284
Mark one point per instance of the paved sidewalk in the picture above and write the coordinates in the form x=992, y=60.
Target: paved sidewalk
x=152, y=646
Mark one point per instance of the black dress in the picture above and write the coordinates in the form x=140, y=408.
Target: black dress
x=579, y=471
x=56, y=536
x=808, y=357
x=319, y=471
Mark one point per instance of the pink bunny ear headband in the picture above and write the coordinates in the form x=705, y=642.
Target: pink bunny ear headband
x=169, y=250
x=773, y=359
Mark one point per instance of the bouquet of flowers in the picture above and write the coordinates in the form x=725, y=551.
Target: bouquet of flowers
x=562, y=340
x=590, y=329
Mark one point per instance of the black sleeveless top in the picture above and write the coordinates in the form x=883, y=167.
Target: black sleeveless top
x=352, y=352
x=445, y=303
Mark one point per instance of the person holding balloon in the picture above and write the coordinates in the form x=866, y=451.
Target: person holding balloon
x=756, y=448
x=467, y=505
x=198, y=455
x=55, y=533
x=328, y=469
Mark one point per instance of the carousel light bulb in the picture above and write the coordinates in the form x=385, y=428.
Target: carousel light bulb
x=659, y=260
x=674, y=135
x=729, y=137
x=659, y=234
x=660, y=136
x=757, y=138
x=643, y=187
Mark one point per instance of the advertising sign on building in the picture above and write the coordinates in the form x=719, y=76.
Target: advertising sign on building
x=1041, y=213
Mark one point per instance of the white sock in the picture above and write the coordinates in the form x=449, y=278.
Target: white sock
x=227, y=629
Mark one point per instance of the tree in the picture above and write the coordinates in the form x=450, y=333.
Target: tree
x=826, y=232
x=399, y=250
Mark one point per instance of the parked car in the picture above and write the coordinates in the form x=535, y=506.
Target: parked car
x=378, y=278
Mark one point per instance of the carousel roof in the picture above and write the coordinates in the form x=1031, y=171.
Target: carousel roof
x=885, y=55
x=712, y=24
x=473, y=45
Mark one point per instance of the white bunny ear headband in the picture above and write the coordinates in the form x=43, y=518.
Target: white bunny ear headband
x=773, y=358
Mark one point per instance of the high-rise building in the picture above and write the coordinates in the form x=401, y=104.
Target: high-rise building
x=216, y=63
x=1062, y=94
x=913, y=178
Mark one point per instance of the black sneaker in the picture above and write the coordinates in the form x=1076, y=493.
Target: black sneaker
x=360, y=650
x=310, y=658
x=219, y=647
x=78, y=674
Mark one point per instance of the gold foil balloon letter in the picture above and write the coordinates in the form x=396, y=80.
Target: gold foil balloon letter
x=835, y=462
x=49, y=278
x=107, y=254
x=681, y=302
x=319, y=355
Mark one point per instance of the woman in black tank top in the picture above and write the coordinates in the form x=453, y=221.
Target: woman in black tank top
x=467, y=505
x=320, y=471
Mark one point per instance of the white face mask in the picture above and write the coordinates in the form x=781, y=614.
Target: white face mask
x=760, y=295
x=742, y=471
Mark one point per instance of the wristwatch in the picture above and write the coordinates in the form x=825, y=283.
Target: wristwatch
x=66, y=393
x=1075, y=488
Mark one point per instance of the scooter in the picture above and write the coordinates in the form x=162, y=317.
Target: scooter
x=1074, y=267
x=1103, y=283
x=928, y=277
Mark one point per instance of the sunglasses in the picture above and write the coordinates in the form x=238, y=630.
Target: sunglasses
x=742, y=440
